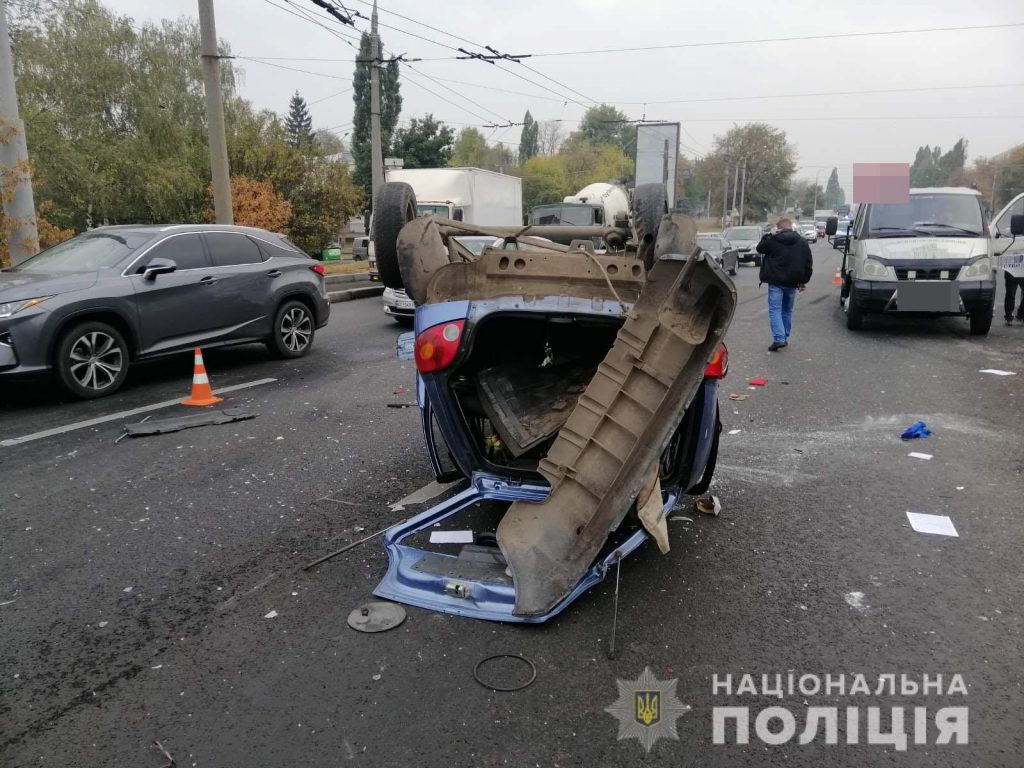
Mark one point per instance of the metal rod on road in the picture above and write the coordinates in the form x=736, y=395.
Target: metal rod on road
x=344, y=549
x=615, y=609
x=215, y=115
x=19, y=207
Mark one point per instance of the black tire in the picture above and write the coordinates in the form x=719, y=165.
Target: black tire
x=91, y=360
x=854, y=313
x=393, y=208
x=649, y=207
x=293, y=330
x=981, y=320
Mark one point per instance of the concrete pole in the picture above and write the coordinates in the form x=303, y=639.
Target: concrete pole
x=725, y=195
x=735, y=183
x=814, y=211
x=376, y=150
x=19, y=210
x=215, y=115
x=743, y=189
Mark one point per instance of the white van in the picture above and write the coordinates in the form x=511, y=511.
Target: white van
x=932, y=255
x=1009, y=249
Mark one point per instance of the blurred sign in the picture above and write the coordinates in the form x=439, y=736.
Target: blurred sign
x=881, y=182
x=657, y=150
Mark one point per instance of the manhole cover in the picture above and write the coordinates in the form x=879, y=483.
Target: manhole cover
x=376, y=617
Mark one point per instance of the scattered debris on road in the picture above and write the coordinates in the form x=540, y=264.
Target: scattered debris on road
x=709, y=505
x=177, y=423
x=170, y=760
x=757, y=382
x=502, y=688
x=916, y=430
x=940, y=525
x=997, y=372
x=738, y=397
x=376, y=617
x=922, y=456
x=271, y=615
x=344, y=549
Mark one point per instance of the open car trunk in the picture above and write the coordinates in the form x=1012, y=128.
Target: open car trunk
x=521, y=379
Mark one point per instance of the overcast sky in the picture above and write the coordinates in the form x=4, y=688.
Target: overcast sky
x=827, y=131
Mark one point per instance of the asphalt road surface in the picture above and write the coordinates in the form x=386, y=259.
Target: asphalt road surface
x=135, y=578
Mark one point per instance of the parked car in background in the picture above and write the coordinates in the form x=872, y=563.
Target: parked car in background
x=745, y=240
x=809, y=231
x=361, y=248
x=90, y=307
x=720, y=250
x=838, y=240
x=820, y=227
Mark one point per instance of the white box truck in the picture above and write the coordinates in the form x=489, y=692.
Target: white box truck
x=472, y=195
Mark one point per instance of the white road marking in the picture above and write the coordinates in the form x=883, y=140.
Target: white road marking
x=120, y=415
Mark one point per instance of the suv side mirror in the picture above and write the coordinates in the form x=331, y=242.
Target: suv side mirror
x=831, y=225
x=1017, y=224
x=158, y=266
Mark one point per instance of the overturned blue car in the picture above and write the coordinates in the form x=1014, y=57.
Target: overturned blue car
x=573, y=392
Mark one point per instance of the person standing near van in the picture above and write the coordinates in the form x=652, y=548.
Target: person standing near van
x=786, y=266
x=1013, y=278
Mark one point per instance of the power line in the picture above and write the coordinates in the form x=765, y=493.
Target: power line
x=325, y=98
x=443, y=98
x=754, y=41
x=293, y=69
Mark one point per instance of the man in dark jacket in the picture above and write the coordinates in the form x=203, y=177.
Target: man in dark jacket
x=786, y=265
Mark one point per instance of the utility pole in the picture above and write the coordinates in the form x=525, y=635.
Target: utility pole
x=20, y=210
x=743, y=189
x=814, y=211
x=215, y=115
x=725, y=194
x=376, y=150
x=735, y=183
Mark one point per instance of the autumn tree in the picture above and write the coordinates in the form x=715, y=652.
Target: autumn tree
x=256, y=204
x=545, y=180
x=469, y=150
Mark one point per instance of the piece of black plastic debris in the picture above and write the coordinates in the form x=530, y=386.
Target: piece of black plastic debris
x=376, y=617
x=178, y=423
x=401, y=405
x=505, y=689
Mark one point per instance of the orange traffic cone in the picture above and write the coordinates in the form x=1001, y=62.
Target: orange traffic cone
x=838, y=279
x=202, y=393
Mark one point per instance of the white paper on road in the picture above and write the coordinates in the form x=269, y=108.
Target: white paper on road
x=916, y=455
x=997, y=372
x=734, y=431
x=451, y=537
x=937, y=524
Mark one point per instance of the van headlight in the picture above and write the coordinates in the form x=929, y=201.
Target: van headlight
x=978, y=269
x=874, y=268
x=12, y=307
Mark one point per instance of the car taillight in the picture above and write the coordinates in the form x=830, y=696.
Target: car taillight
x=437, y=346
x=719, y=364
x=319, y=269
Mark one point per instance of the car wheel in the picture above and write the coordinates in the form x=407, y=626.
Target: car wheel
x=92, y=360
x=394, y=207
x=981, y=320
x=649, y=207
x=854, y=313
x=293, y=331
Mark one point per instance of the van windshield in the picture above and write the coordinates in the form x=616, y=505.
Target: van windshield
x=434, y=210
x=927, y=216
x=572, y=215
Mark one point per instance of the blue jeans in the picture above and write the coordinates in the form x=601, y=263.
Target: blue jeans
x=780, y=311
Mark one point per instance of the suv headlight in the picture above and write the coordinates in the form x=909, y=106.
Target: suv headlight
x=12, y=307
x=978, y=269
x=874, y=268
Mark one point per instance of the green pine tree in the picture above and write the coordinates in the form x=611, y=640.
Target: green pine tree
x=298, y=123
x=390, y=109
x=529, y=139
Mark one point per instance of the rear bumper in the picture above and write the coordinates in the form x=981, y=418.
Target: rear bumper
x=875, y=296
